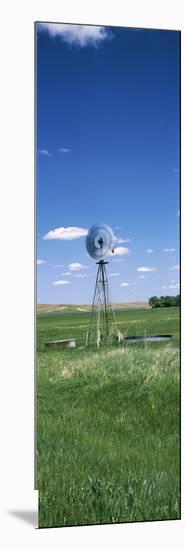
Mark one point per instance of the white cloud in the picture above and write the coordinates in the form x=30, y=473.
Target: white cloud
x=168, y=249
x=82, y=275
x=174, y=267
x=124, y=284
x=66, y=233
x=114, y=274
x=146, y=269
x=150, y=250
x=176, y=285
x=64, y=150
x=81, y=35
x=142, y=277
x=66, y=274
x=76, y=266
x=119, y=251
x=120, y=240
x=39, y=262
x=44, y=152
x=62, y=282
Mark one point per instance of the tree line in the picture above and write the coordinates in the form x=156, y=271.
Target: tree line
x=164, y=301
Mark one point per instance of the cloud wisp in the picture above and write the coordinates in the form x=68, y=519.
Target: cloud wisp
x=80, y=275
x=168, y=249
x=175, y=286
x=66, y=233
x=44, y=152
x=77, y=35
x=39, y=262
x=174, y=267
x=146, y=269
x=61, y=282
x=76, y=266
x=150, y=250
x=119, y=240
x=64, y=150
x=124, y=284
x=114, y=274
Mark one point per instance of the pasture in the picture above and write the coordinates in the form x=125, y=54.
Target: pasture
x=108, y=421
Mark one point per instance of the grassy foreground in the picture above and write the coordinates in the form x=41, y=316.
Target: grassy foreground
x=108, y=435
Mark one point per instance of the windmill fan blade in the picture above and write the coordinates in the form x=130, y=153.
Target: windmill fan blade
x=99, y=241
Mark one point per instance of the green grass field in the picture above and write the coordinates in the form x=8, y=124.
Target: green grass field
x=108, y=422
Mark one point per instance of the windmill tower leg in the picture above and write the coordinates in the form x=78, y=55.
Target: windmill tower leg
x=102, y=326
x=92, y=310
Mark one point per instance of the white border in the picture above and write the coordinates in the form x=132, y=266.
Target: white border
x=17, y=253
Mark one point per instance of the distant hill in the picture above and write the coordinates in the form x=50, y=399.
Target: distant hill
x=49, y=308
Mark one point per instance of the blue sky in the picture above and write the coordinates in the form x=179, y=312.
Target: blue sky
x=107, y=151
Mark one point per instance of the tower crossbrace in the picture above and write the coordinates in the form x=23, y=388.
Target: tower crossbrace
x=102, y=327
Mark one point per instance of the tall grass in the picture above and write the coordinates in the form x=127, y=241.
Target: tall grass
x=108, y=444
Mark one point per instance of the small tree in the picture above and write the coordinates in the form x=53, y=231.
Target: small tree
x=153, y=301
x=164, y=301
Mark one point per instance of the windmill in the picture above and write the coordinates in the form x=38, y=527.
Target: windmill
x=102, y=325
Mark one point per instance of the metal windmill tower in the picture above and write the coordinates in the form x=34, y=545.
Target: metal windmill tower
x=102, y=326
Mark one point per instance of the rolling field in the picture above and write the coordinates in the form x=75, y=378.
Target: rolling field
x=108, y=421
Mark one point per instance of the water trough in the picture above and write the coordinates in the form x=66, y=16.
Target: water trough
x=144, y=339
x=69, y=343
